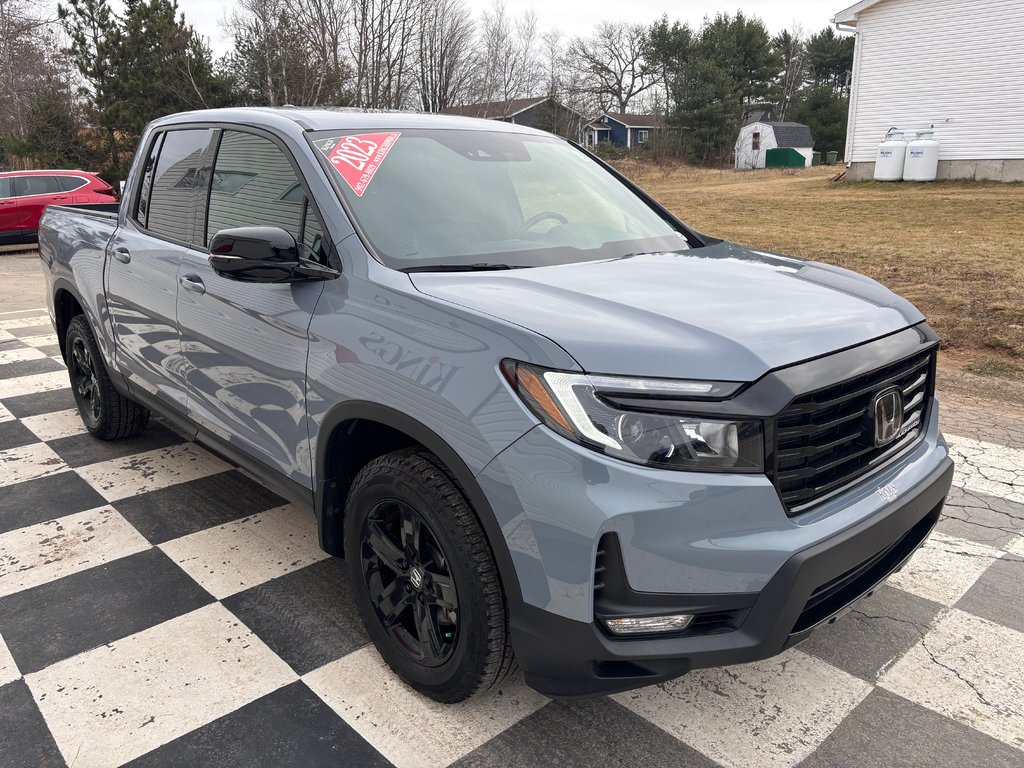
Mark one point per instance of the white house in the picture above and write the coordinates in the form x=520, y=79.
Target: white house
x=954, y=64
x=758, y=137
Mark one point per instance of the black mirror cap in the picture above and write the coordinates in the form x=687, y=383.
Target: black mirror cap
x=255, y=254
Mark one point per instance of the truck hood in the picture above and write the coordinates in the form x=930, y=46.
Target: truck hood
x=721, y=312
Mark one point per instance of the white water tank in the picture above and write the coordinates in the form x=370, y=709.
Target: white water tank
x=891, y=157
x=922, y=163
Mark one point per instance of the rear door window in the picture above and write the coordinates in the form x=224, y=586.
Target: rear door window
x=5, y=187
x=26, y=186
x=255, y=185
x=170, y=211
x=71, y=183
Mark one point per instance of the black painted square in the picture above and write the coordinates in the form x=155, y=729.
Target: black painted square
x=14, y=434
x=79, y=450
x=30, y=368
x=45, y=498
x=24, y=738
x=178, y=510
x=289, y=727
x=55, y=621
x=307, y=617
x=40, y=402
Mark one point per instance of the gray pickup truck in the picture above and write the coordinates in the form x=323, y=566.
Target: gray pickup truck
x=543, y=420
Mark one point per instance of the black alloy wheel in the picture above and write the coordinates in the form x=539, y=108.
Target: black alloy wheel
x=83, y=379
x=424, y=578
x=409, y=582
x=106, y=413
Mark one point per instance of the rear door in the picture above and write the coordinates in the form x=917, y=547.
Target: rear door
x=34, y=193
x=245, y=344
x=143, y=260
x=10, y=220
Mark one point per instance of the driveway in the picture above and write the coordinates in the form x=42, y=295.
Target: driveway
x=160, y=607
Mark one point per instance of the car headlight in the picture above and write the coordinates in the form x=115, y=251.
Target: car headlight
x=576, y=406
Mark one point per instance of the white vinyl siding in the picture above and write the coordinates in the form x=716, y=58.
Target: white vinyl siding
x=957, y=64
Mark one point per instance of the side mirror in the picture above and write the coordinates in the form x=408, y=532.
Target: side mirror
x=262, y=255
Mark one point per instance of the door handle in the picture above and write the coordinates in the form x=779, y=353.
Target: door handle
x=122, y=255
x=193, y=283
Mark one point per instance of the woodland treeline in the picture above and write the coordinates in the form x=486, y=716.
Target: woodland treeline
x=80, y=80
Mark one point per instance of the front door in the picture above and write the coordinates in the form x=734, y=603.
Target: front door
x=143, y=260
x=245, y=344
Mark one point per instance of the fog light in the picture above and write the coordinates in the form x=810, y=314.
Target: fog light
x=642, y=625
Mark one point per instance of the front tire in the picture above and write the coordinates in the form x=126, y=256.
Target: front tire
x=424, y=577
x=106, y=413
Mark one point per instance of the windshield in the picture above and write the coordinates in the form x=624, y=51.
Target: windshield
x=440, y=199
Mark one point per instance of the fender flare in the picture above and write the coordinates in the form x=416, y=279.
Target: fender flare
x=330, y=509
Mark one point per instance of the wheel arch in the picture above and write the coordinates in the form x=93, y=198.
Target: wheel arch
x=67, y=304
x=356, y=432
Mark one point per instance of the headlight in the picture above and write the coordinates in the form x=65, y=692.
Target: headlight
x=572, y=405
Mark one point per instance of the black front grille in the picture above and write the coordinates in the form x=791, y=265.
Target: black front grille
x=825, y=439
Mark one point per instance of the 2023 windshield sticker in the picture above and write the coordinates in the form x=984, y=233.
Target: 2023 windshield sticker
x=357, y=157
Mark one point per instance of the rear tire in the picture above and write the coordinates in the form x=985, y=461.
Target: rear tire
x=107, y=414
x=424, y=577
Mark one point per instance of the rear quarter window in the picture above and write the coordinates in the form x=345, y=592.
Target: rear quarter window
x=71, y=183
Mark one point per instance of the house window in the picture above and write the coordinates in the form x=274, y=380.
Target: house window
x=756, y=141
x=642, y=136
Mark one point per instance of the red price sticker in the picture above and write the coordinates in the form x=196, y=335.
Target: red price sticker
x=357, y=157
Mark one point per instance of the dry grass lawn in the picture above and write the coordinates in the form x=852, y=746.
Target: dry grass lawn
x=956, y=249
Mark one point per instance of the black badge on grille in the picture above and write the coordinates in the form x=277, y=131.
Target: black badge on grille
x=887, y=410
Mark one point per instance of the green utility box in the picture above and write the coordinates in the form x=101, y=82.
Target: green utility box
x=816, y=158
x=786, y=157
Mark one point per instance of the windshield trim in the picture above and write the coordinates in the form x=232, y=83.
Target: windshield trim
x=691, y=236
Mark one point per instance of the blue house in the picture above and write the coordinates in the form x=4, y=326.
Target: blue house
x=543, y=112
x=621, y=130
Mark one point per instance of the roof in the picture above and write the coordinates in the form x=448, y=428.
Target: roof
x=792, y=135
x=295, y=119
x=635, y=121
x=849, y=16
x=47, y=171
x=494, y=109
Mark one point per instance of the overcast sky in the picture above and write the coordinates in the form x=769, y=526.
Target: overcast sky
x=576, y=17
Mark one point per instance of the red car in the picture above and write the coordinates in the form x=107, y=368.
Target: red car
x=25, y=194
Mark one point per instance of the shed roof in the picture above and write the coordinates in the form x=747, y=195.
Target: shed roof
x=792, y=135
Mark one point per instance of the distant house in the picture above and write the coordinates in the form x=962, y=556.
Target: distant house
x=543, y=112
x=622, y=130
x=954, y=64
x=758, y=137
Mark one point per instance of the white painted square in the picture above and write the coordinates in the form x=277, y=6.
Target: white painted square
x=34, y=384
x=769, y=714
x=1016, y=547
x=129, y=476
x=27, y=462
x=109, y=705
x=8, y=669
x=250, y=551
x=6, y=335
x=48, y=551
x=988, y=468
x=944, y=568
x=363, y=690
x=53, y=426
x=46, y=340
x=20, y=355
x=967, y=668
x=5, y=415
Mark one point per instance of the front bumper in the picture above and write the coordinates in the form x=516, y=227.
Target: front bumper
x=565, y=658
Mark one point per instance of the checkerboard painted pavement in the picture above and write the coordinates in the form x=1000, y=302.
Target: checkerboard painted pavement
x=160, y=607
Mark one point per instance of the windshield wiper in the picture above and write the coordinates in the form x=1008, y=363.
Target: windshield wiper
x=482, y=267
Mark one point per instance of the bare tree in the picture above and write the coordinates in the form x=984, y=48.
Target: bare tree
x=445, y=53
x=792, y=46
x=382, y=45
x=613, y=63
x=25, y=59
x=508, y=65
